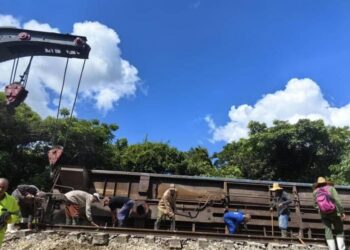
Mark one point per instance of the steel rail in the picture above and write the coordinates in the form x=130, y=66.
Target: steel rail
x=183, y=234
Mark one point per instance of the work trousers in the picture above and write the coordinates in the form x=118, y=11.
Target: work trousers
x=332, y=220
x=231, y=225
x=283, y=221
x=124, y=212
x=163, y=216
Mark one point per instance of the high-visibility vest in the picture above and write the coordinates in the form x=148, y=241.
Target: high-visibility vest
x=9, y=203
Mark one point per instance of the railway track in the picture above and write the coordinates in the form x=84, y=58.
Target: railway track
x=141, y=232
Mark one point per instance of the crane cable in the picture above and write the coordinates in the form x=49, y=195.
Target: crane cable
x=53, y=140
x=64, y=79
x=13, y=67
x=14, y=74
x=75, y=100
x=24, y=77
x=71, y=114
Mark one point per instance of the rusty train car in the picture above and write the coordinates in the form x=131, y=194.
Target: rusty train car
x=201, y=200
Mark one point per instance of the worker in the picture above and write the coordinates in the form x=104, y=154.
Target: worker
x=281, y=201
x=9, y=209
x=77, y=200
x=234, y=219
x=28, y=198
x=123, y=203
x=329, y=206
x=167, y=207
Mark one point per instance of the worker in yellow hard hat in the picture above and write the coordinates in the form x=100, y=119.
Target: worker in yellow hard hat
x=281, y=201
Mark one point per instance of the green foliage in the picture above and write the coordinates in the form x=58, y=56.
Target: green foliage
x=64, y=112
x=229, y=172
x=256, y=127
x=18, y=128
x=341, y=171
x=25, y=139
x=287, y=152
x=153, y=158
x=198, y=162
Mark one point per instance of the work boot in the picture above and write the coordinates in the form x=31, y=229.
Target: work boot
x=75, y=221
x=11, y=228
x=331, y=244
x=68, y=221
x=24, y=220
x=340, y=243
x=29, y=223
x=121, y=223
x=284, y=233
x=172, y=225
x=157, y=225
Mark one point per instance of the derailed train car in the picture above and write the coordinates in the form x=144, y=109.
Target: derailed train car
x=201, y=200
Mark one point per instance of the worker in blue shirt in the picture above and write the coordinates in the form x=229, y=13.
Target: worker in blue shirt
x=234, y=219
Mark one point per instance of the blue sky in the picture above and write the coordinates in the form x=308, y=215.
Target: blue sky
x=195, y=60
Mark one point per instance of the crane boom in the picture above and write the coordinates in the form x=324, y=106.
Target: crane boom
x=16, y=43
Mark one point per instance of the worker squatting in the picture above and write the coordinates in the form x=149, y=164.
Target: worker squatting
x=23, y=204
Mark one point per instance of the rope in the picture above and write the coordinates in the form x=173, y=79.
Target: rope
x=75, y=100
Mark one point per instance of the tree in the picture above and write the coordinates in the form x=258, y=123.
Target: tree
x=64, y=112
x=340, y=173
x=256, y=127
x=288, y=152
x=198, y=162
x=21, y=161
x=86, y=142
x=153, y=158
x=161, y=158
x=25, y=139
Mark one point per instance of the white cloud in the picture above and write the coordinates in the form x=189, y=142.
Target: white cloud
x=8, y=20
x=35, y=25
x=107, y=76
x=301, y=98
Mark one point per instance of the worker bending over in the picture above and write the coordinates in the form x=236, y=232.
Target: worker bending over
x=234, y=219
x=77, y=200
x=124, y=204
x=29, y=200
